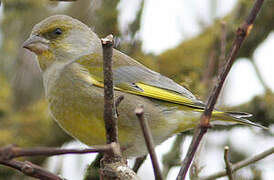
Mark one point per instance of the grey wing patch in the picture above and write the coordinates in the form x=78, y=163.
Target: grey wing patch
x=127, y=76
x=131, y=74
x=166, y=83
x=134, y=74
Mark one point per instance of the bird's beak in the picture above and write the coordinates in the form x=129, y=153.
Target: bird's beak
x=36, y=44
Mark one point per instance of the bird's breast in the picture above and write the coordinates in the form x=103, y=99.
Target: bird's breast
x=73, y=105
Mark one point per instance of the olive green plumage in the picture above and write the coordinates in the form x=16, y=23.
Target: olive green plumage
x=70, y=56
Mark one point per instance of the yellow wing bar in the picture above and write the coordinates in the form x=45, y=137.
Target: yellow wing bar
x=156, y=93
x=162, y=94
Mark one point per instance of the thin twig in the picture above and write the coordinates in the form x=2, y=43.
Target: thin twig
x=10, y=152
x=196, y=166
x=112, y=165
x=198, y=134
x=259, y=75
x=208, y=73
x=242, y=32
x=30, y=169
x=138, y=163
x=139, y=111
x=241, y=164
x=110, y=116
x=228, y=164
x=117, y=103
x=223, y=45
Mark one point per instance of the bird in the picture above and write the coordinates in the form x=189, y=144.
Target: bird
x=70, y=57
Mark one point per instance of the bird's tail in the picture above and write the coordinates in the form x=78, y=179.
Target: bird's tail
x=234, y=117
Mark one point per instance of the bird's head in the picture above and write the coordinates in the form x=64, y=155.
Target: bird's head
x=61, y=38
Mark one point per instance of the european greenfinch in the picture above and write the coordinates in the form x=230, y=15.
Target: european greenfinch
x=70, y=57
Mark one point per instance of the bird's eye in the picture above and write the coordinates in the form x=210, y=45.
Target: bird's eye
x=57, y=31
x=53, y=34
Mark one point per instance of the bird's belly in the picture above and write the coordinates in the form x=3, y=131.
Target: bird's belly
x=83, y=119
x=85, y=122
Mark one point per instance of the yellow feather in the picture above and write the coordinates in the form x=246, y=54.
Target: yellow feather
x=160, y=94
x=154, y=92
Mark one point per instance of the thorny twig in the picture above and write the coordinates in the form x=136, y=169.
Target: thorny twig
x=241, y=164
x=228, y=163
x=242, y=32
x=139, y=111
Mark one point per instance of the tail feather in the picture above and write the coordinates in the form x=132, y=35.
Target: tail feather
x=236, y=117
x=239, y=114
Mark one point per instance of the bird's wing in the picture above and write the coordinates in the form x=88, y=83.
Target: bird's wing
x=132, y=77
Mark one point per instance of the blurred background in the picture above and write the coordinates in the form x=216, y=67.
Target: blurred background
x=184, y=40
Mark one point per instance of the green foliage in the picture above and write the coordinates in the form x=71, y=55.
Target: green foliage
x=30, y=127
x=187, y=62
x=106, y=18
x=262, y=108
x=136, y=24
x=261, y=28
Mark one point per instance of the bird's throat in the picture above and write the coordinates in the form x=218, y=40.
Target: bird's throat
x=45, y=60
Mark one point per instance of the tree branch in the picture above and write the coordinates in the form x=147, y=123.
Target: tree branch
x=228, y=163
x=139, y=111
x=110, y=115
x=241, y=164
x=9, y=152
x=112, y=165
x=242, y=32
x=30, y=169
